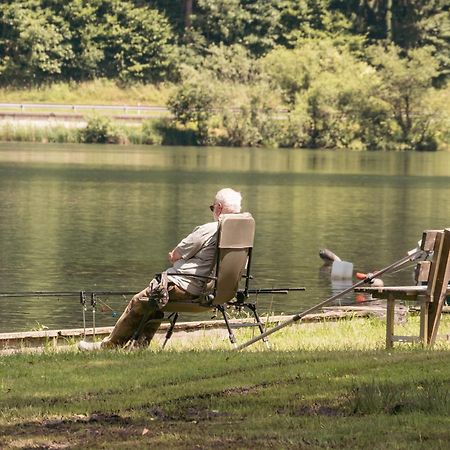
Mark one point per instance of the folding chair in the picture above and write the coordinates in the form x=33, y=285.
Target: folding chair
x=232, y=263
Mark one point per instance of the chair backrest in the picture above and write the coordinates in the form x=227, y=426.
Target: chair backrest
x=234, y=247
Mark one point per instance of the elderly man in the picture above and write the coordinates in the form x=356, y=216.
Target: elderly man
x=194, y=255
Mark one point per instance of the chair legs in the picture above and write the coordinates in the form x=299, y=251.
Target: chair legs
x=173, y=320
x=252, y=308
x=174, y=317
x=231, y=335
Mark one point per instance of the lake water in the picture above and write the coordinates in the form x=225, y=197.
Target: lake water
x=104, y=217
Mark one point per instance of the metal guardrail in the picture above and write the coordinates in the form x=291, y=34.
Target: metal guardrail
x=126, y=108
x=76, y=107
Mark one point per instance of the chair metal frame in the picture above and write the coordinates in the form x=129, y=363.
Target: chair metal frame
x=218, y=299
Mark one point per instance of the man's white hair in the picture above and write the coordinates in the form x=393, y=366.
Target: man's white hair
x=230, y=199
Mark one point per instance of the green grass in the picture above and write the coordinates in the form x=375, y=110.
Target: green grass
x=104, y=92
x=32, y=133
x=149, y=132
x=313, y=390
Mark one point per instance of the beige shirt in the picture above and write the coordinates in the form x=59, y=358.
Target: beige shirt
x=197, y=257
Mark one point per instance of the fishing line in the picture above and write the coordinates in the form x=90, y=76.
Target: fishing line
x=104, y=304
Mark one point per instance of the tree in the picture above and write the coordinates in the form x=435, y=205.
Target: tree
x=332, y=94
x=307, y=20
x=406, y=83
x=46, y=40
x=85, y=37
x=193, y=102
x=136, y=42
x=33, y=48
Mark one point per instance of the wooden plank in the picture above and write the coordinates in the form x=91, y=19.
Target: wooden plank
x=438, y=293
x=428, y=239
x=432, y=279
x=431, y=284
x=422, y=272
x=411, y=293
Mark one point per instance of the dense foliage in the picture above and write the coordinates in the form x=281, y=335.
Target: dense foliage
x=317, y=73
x=47, y=40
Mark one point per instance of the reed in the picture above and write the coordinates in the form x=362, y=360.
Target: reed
x=31, y=133
x=101, y=129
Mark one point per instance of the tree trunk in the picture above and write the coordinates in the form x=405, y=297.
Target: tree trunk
x=389, y=21
x=187, y=14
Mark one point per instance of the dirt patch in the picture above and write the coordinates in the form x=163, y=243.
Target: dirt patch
x=244, y=390
x=77, y=432
x=96, y=418
x=313, y=410
x=190, y=414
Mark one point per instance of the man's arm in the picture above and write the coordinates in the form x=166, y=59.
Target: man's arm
x=174, y=255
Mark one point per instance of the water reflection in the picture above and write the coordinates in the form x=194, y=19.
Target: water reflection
x=101, y=217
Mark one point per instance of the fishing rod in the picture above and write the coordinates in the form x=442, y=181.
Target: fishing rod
x=411, y=256
x=60, y=294
x=278, y=290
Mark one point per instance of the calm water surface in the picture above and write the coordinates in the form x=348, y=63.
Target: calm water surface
x=104, y=217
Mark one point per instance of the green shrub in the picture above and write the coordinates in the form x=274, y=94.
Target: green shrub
x=171, y=134
x=149, y=133
x=194, y=101
x=101, y=130
x=406, y=84
x=293, y=132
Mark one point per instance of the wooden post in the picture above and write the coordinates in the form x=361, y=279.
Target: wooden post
x=421, y=275
x=437, y=286
x=390, y=313
x=424, y=305
x=430, y=242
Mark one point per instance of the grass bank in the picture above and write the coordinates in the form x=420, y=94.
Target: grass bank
x=100, y=130
x=95, y=92
x=311, y=391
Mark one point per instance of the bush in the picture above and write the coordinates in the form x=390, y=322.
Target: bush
x=293, y=133
x=232, y=63
x=251, y=127
x=149, y=133
x=193, y=102
x=171, y=134
x=406, y=85
x=101, y=130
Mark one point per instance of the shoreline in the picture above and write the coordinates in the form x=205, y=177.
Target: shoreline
x=17, y=342
x=154, y=127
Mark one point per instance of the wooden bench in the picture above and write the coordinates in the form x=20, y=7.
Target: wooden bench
x=431, y=289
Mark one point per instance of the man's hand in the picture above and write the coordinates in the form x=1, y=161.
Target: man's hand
x=173, y=256
x=145, y=293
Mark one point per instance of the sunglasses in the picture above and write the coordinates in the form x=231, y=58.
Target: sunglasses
x=211, y=207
